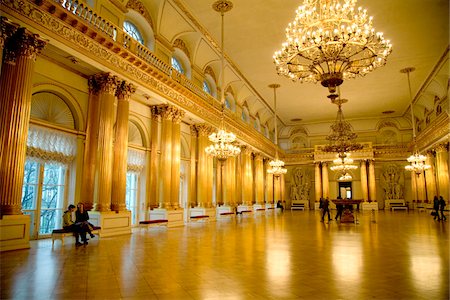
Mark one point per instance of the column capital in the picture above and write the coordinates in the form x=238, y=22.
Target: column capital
x=125, y=90
x=107, y=83
x=258, y=156
x=441, y=147
x=193, y=129
x=23, y=43
x=203, y=129
x=7, y=29
x=178, y=114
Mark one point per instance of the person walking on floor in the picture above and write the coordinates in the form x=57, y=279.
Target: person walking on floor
x=325, y=209
x=442, y=207
x=436, y=208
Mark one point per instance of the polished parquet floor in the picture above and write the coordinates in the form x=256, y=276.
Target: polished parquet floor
x=388, y=255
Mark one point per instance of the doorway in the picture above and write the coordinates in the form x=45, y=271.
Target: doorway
x=345, y=190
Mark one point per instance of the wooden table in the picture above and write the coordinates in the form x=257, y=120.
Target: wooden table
x=347, y=215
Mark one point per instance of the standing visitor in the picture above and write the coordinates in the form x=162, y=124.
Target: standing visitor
x=442, y=207
x=325, y=209
x=436, y=208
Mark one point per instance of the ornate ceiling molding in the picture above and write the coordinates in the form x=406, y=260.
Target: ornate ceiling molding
x=140, y=8
x=74, y=33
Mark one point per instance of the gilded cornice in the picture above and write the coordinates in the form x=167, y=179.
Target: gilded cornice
x=121, y=61
x=394, y=152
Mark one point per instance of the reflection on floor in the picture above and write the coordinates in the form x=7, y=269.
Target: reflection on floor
x=394, y=255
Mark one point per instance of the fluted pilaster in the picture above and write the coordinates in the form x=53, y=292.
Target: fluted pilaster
x=269, y=183
x=165, y=168
x=154, y=158
x=364, y=187
x=259, y=179
x=430, y=177
x=318, y=181
x=203, y=165
x=176, y=152
x=193, y=167
x=325, y=181
x=372, y=182
x=247, y=178
x=21, y=50
x=119, y=180
x=107, y=84
x=442, y=170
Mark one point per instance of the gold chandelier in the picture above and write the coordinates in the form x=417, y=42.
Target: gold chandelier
x=343, y=164
x=223, y=141
x=329, y=42
x=342, y=138
x=345, y=177
x=276, y=165
x=416, y=160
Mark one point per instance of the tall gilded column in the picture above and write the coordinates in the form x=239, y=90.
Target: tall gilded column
x=372, y=182
x=176, y=157
x=259, y=179
x=154, y=158
x=430, y=177
x=21, y=51
x=90, y=146
x=239, y=175
x=325, y=182
x=414, y=190
x=209, y=179
x=442, y=170
x=202, y=164
x=420, y=181
x=364, y=187
x=269, y=183
x=230, y=181
x=165, y=167
x=220, y=197
x=247, y=178
x=193, y=167
x=119, y=180
x=318, y=181
x=104, y=165
x=283, y=187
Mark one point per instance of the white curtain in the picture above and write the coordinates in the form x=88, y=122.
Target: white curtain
x=50, y=145
x=135, y=160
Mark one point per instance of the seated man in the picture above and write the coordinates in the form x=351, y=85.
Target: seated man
x=280, y=205
x=69, y=224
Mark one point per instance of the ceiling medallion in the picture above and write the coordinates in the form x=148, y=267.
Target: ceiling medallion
x=329, y=42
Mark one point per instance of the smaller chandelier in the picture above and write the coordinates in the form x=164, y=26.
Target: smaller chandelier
x=345, y=177
x=329, y=42
x=276, y=165
x=342, y=138
x=343, y=164
x=222, y=146
x=417, y=163
x=223, y=141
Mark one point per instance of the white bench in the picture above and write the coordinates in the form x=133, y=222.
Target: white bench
x=60, y=234
x=393, y=205
x=295, y=206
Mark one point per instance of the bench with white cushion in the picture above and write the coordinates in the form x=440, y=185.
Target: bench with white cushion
x=60, y=234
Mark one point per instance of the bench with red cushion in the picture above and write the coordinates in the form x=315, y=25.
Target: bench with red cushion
x=60, y=234
x=152, y=223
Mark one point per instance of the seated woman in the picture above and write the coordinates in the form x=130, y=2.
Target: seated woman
x=280, y=205
x=82, y=218
x=69, y=225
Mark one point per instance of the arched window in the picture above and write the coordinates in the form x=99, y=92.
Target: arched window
x=227, y=103
x=257, y=124
x=206, y=87
x=177, y=65
x=245, y=115
x=132, y=30
x=50, y=153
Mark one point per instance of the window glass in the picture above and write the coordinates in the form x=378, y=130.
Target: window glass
x=132, y=30
x=227, y=104
x=131, y=196
x=244, y=116
x=177, y=65
x=206, y=87
x=30, y=185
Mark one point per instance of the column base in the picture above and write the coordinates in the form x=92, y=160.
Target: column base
x=174, y=218
x=112, y=223
x=14, y=232
x=369, y=206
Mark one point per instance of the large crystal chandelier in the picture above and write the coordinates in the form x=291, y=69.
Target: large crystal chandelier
x=417, y=161
x=342, y=138
x=276, y=165
x=223, y=141
x=330, y=41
